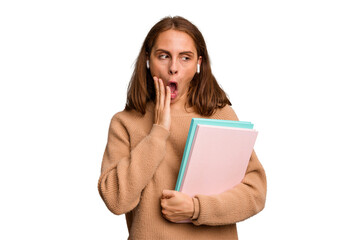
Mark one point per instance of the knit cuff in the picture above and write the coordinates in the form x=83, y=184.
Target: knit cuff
x=159, y=131
x=197, y=208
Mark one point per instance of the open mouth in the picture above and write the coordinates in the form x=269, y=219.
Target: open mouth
x=173, y=88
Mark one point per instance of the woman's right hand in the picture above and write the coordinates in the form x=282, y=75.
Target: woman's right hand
x=162, y=108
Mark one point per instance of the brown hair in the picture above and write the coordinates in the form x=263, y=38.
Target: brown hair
x=204, y=93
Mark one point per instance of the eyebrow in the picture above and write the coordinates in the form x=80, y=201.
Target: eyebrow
x=167, y=52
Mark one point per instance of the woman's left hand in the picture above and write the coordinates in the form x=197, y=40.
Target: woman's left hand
x=176, y=206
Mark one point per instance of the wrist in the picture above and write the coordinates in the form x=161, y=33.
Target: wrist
x=190, y=210
x=193, y=208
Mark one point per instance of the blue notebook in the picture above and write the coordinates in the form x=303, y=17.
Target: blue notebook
x=190, y=138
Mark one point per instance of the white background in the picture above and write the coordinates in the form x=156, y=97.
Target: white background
x=290, y=67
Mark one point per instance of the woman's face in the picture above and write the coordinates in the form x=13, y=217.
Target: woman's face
x=174, y=60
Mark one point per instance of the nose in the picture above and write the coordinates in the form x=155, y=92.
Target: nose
x=173, y=69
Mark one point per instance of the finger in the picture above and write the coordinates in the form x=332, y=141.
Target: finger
x=168, y=193
x=168, y=97
x=163, y=211
x=156, y=83
x=162, y=94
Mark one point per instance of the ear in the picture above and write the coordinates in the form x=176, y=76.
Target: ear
x=199, y=60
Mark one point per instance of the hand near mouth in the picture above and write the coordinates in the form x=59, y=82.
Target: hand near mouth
x=162, y=108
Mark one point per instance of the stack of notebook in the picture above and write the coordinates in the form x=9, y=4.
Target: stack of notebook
x=216, y=156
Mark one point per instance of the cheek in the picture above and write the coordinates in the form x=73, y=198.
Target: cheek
x=190, y=67
x=158, y=68
x=189, y=73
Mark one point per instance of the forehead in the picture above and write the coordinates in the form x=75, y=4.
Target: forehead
x=174, y=41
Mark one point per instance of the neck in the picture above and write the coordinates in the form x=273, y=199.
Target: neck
x=176, y=109
x=178, y=105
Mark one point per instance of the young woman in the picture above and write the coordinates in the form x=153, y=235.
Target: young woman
x=171, y=84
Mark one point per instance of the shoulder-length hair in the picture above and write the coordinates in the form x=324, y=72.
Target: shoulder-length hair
x=204, y=93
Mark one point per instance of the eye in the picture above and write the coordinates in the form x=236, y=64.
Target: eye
x=163, y=56
x=185, y=58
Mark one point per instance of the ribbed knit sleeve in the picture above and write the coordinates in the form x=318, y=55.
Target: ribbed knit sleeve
x=196, y=208
x=237, y=204
x=125, y=172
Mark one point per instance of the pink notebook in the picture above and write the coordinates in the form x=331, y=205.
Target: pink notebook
x=218, y=160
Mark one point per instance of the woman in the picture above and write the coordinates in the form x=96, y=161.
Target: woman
x=171, y=84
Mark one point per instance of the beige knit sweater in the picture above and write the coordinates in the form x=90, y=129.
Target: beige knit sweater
x=141, y=159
